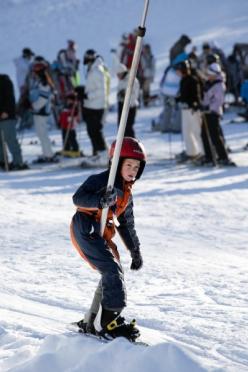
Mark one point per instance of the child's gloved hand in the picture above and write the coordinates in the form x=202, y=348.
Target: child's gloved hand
x=137, y=261
x=108, y=199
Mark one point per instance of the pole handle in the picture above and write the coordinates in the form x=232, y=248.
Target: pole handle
x=125, y=111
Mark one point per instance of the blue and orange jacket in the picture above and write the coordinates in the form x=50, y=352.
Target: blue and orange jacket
x=87, y=200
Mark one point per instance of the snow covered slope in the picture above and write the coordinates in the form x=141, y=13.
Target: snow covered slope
x=190, y=299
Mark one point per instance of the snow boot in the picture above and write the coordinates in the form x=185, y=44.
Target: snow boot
x=18, y=167
x=109, y=324
x=203, y=161
x=227, y=163
x=71, y=154
x=87, y=327
x=46, y=160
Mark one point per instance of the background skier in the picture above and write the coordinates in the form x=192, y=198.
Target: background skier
x=95, y=103
x=8, y=126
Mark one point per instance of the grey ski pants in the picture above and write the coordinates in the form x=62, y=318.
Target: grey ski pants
x=8, y=133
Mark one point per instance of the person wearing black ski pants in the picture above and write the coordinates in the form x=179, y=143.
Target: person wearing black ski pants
x=8, y=134
x=93, y=119
x=129, y=130
x=70, y=143
x=212, y=121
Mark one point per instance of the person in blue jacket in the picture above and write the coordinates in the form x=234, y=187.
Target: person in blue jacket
x=104, y=318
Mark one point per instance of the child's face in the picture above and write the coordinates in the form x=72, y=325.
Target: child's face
x=130, y=168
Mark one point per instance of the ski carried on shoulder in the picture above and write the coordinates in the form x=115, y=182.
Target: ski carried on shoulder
x=73, y=327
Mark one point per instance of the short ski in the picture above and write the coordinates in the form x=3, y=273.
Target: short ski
x=73, y=327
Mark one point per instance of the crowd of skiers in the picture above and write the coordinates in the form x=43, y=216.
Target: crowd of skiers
x=53, y=89
x=193, y=88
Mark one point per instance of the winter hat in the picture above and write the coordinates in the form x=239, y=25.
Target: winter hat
x=27, y=52
x=185, y=39
x=121, y=68
x=212, y=58
x=214, y=69
x=39, y=66
x=183, y=66
x=89, y=56
x=206, y=46
x=71, y=44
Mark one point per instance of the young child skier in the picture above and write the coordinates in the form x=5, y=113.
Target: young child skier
x=104, y=318
x=68, y=120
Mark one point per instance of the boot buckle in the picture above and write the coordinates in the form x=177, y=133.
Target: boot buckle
x=112, y=325
x=133, y=323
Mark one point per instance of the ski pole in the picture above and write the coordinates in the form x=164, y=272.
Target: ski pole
x=5, y=154
x=172, y=108
x=125, y=110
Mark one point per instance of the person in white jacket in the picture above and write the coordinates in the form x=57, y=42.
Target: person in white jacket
x=95, y=103
x=123, y=75
x=22, y=65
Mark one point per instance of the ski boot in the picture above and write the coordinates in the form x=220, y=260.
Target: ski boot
x=71, y=154
x=46, y=160
x=109, y=325
x=18, y=167
x=227, y=163
x=87, y=327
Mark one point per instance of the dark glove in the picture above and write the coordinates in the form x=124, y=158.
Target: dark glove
x=205, y=108
x=85, y=96
x=137, y=261
x=121, y=95
x=195, y=106
x=108, y=199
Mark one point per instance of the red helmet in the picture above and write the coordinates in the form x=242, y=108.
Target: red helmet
x=39, y=66
x=132, y=149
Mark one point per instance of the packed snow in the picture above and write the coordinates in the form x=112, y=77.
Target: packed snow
x=190, y=298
